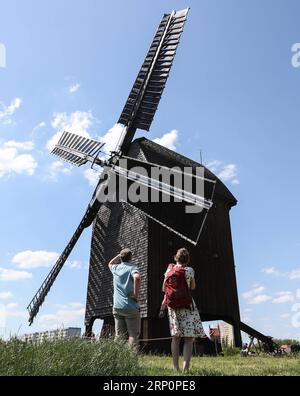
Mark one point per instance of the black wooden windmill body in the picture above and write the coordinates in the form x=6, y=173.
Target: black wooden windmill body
x=153, y=230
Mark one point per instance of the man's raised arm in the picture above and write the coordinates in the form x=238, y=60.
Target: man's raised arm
x=115, y=260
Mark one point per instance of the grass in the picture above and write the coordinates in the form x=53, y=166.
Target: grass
x=226, y=365
x=82, y=358
x=67, y=358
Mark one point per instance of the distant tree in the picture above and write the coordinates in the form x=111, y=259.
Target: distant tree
x=286, y=341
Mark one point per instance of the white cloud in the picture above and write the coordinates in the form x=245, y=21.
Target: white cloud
x=259, y=299
x=92, y=176
x=11, y=161
x=229, y=173
x=298, y=293
x=214, y=165
x=256, y=296
x=25, y=146
x=75, y=305
x=15, y=104
x=225, y=172
x=11, y=305
x=57, y=168
x=283, y=297
x=8, y=111
x=5, y=295
x=74, y=264
x=253, y=292
x=294, y=274
x=10, y=311
x=285, y=316
x=168, y=140
x=271, y=271
x=78, y=122
x=74, y=88
x=36, y=128
x=13, y=275
x=111, y=138
x=29, y=259
x=35, y=259
x=246, y=315
x=65, y=314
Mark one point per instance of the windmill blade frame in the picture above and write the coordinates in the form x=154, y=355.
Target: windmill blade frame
x=76, y=149
x=145, y=95
x=79, y=150
x=163, y=188
x=89, y=216
x=138, y=112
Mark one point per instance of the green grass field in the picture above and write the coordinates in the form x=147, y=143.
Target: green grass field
x=226, y=365
x=83, y=358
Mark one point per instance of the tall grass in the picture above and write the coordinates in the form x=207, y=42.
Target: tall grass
x=67, y=358
x=231, y=351
x=82, y=358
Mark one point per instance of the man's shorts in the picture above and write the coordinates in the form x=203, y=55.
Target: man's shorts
x=127, y=323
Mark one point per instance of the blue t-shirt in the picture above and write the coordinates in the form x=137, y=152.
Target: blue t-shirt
x=123, y=286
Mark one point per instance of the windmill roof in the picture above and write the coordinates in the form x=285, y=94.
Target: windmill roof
x=161, y=155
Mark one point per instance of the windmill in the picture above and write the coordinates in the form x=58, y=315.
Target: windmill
x=138, y=113
x=181, y=215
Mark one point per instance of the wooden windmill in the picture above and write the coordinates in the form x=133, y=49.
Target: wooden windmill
x=153, y=230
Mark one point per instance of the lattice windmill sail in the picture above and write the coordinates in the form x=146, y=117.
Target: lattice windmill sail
x=149, y=85
x=138, y=112
x=77, y=149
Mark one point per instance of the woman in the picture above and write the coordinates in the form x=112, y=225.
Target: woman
x=184, y=322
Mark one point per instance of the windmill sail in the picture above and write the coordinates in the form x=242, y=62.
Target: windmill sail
x=191, y=193
x=40, y=295
x=77, y=149
x=86, y=221
x=149, y=85
x=138, y=112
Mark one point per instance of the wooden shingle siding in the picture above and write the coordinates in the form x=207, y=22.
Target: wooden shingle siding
x=117, y=226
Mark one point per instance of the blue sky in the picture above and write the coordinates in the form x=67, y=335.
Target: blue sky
x=232, y=93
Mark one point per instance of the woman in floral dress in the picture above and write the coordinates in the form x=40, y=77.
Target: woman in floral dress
x=184, y=322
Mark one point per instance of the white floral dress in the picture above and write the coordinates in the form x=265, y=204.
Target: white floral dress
x=185, y=322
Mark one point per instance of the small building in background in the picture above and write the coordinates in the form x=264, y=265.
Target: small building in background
x=222, y=334
x=226, y=334
x=286, y=349
x=52, y=335
x=214, y=334
x=215, y=339
x=290, y=349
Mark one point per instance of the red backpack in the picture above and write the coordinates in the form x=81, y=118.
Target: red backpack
x=176, y=288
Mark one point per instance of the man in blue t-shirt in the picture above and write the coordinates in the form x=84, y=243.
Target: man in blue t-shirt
x=126, y=310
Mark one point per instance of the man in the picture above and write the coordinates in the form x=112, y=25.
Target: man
x=126, y=310
x=244, y=351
